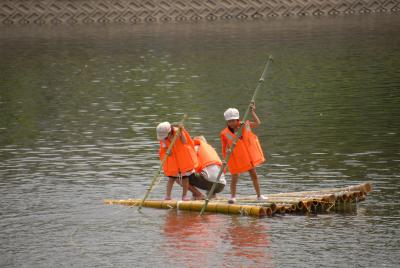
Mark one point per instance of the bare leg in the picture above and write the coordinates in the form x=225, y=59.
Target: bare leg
x=170, y=183
x=256, y=183
x=196, y=193
x=185, y=186
x=234, y=181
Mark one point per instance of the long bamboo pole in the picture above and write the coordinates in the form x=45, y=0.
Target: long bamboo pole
x=153, y=181
x=225, y=163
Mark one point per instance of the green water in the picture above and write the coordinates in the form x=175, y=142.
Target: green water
x=78, y=110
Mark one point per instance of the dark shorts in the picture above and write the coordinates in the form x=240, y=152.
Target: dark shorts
x=200, y=182
x=183, y=177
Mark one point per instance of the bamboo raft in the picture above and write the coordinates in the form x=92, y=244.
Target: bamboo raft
x=321, y=201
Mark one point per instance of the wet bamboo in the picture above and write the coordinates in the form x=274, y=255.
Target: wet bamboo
x=349, y=196
x=365, y=187
x=269, y=211
x=250, y=202
x=327, y=193
x=247, y=210
x=280, y=208
x=298, y=205
x=326, y=196
x=272, y=206
x=294, y=200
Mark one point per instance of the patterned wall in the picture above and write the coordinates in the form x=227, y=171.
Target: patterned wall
x=161, y=11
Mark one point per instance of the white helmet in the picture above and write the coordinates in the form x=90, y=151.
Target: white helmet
x=231, y=113
x=163, y=130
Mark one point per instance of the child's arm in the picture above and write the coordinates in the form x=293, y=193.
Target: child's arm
x=257, y=121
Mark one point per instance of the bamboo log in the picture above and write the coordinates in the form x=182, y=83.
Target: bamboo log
x=300, y=205
x=285, y=208
x=294, y=201
x=216, y=207
x=280, y=208
x=268, y=211
x=148, y=203
x=258, y=203
x=327, y=198
x=340, y=199
x=314, y=205
x=288, y=199
x=365, y=188
x=349, y=196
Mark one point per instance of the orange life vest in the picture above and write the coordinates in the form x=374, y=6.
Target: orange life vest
x=182, y=157
x=206, y=155
x=247, y=153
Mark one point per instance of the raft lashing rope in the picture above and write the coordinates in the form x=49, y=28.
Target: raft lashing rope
x=320, y=201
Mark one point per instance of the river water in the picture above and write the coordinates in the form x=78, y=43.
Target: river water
x=78, y=111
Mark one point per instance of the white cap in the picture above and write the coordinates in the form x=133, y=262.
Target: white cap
x=231, y=113
x=163, y=130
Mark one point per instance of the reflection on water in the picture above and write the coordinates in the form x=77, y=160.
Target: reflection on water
x=192, y=240
x=249, y=241
x=78, y=108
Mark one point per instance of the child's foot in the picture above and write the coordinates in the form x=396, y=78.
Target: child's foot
x=167, y=198
x=185, y=198
x=198, y=197
x=232, y=200
x=261, y=197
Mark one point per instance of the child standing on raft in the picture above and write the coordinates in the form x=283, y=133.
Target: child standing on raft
x=247, y=153
x=181, y=162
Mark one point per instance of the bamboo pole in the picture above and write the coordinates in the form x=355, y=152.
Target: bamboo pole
x=238, y=136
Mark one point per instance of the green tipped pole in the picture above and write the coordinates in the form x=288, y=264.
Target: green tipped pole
x=240, y=131
x=162, y=163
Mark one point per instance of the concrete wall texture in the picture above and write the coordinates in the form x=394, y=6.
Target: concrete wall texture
x=45, y=12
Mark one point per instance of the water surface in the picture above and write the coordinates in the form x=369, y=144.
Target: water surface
x=78, y=110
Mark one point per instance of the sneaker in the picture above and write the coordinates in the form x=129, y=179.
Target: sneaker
x=232, y=200
x=185, y=198
x=261, y=197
